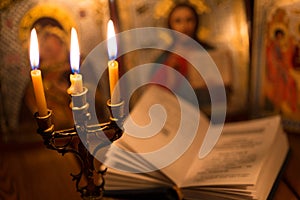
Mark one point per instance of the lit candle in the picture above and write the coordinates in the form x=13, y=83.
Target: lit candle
x=75, y=78
x=36, y=75
x=113, y=66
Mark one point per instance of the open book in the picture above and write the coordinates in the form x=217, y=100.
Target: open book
x=160, y=150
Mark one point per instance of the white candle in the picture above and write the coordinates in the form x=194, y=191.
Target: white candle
x=113, y=66
x=36, y=75
x=76, y=78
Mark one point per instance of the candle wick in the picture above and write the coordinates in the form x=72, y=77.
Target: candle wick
x=112, y=57
x=75, y=71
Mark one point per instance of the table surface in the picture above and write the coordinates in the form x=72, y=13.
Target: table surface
x=30, y=171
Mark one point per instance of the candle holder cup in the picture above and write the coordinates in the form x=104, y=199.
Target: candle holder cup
x=90, y=179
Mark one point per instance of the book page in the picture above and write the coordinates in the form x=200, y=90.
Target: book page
x=266, y=179
x=272, y=166
x=164, y=133
x=119, y=180
x=238, y=156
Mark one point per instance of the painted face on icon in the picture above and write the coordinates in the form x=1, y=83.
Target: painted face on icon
x=183, y=20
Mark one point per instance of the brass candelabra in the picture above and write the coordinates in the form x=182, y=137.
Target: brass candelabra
x=63, y=141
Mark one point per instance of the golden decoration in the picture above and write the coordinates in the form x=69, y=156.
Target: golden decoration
x=44, y=11
x=5, y=3
x=200, y=6
x=162, y=8
x=165, y=6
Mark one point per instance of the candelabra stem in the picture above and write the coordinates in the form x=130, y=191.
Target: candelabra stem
x=92, y=189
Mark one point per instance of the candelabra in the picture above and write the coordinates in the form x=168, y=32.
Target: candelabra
x=93, y=186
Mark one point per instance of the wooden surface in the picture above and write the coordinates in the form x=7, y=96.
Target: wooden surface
x=36, y=173
x=32, y=172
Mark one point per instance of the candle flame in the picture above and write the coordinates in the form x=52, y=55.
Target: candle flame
x=74, y=52
x=34, y=50
x=111, y=41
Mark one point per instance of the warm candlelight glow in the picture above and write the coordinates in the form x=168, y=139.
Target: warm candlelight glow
x=113, y=68
x=36, y=75
x=74, y=52
x=34, y=50
x=111, y=41
x=76, y=78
